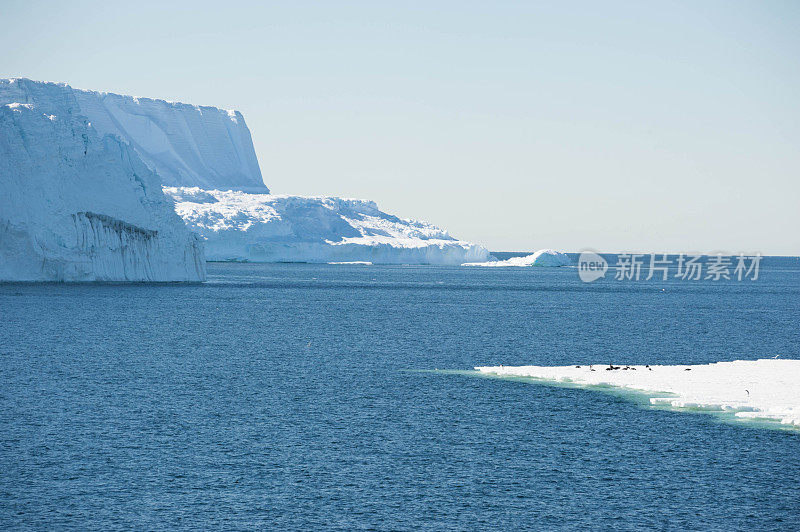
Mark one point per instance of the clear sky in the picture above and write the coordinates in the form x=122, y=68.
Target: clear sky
x=649, y=126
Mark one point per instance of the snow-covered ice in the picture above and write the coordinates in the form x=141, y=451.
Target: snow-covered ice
x=75, y=206
x=544, y=257
x=751, y=389
x=274, y=228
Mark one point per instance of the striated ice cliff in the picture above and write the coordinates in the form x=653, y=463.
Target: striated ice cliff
x=77, y=206
x=272, y=228
x=187, y=145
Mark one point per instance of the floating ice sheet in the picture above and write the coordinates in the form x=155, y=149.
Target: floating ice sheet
x=749, y=389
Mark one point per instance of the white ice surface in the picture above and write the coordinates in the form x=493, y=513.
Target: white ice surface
x=273, y=228
x=75, y=206
x=187, y=145
x=544, y=257
x=750, y=388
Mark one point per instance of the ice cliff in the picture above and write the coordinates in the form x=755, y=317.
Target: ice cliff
x=204, y=158
x=76, y=205
x=273, y=228
x=186, y=145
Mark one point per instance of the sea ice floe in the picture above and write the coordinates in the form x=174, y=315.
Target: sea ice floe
x=751, y=389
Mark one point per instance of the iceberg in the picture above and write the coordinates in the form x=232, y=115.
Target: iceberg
x=240, y=226
x=748, y=389
x=549, y=258
x=204, y=159
x=79, y=206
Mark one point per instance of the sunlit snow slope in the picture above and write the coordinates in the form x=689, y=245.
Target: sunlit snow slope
x=750, y=389
x=78, y=206
x=272, y=228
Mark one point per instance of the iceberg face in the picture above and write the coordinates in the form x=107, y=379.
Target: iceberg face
x=548, y=258
x=271, y=228
x=748, y=389
x=75, y=206
x=186, y=145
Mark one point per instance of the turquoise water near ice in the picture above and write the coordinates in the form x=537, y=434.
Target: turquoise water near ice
x=298, y=396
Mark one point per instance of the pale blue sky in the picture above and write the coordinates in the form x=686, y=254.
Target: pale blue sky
x=650, y=126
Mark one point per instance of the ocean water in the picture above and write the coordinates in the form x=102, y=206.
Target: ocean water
x=296, y=396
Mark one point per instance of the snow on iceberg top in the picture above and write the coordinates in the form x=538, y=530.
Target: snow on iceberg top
x=276, y=228
x=187, y=145
x=767, y=388
x=544, y=257
x=304, y=218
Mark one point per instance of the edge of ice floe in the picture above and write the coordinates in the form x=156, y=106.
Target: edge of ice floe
x=745, y=390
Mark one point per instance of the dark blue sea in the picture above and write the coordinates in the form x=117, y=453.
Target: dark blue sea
x=323, y=397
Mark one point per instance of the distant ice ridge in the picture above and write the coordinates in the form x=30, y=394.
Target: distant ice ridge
x=544, y=257
x=186, y=145
x=750, y=389
x=240, y=226
x=77, y=206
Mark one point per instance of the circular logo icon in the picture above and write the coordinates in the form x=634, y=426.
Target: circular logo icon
x=591, y=266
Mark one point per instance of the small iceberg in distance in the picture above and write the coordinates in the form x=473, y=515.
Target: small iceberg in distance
x=766, y=389
x=548, y=258
x=361, y=262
